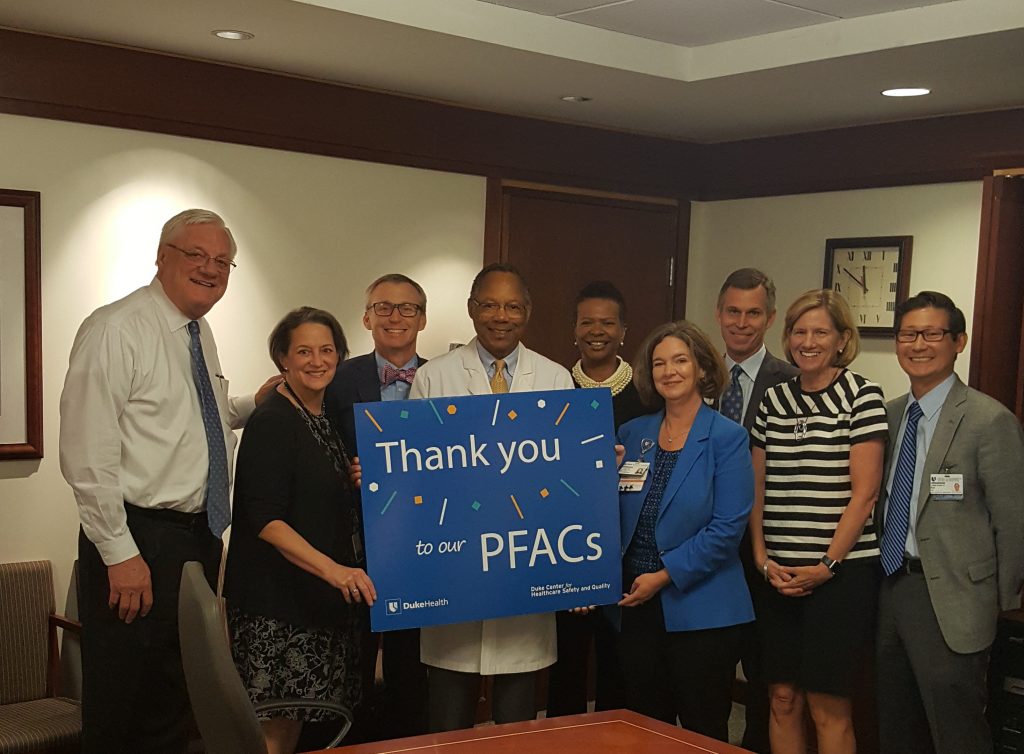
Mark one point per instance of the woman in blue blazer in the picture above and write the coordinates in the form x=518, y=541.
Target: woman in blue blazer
x=680, y=620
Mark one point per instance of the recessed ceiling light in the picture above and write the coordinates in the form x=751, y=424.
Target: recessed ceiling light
x=913, y=91
x=233, y=34
x=576, y=98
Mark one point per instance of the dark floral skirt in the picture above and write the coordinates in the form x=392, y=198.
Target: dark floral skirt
x=277, y=660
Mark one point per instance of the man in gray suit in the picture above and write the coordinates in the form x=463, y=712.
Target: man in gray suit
x=952, y=520
x=745, y=311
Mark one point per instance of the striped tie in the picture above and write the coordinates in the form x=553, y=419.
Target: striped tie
x=897, y=514
x=218, y=509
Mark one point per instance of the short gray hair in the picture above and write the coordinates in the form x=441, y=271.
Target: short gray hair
x=196, y=217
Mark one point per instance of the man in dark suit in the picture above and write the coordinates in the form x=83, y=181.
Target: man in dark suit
x=395, y=313
x=952, y=540
x=746, y=309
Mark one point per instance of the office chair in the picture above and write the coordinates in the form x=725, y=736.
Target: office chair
x=226, y=718
x=34, y=717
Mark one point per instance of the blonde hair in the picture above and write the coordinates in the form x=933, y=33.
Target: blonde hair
x=838, y=311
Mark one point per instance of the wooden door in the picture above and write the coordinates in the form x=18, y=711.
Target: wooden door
x=997, y=333
x=561, y=240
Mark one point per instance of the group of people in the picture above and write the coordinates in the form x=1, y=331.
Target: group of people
x=781, y=515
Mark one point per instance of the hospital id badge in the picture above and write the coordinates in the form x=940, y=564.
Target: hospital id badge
x=632, y=475
x=946, y=486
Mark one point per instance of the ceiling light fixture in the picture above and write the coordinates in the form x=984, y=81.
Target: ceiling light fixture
x=575, y=98
x=913, y=91
x=232, y=34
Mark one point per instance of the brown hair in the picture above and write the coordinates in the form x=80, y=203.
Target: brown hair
x=838, y=311
x=280, y=339
x=707, y=359
x=747, y=279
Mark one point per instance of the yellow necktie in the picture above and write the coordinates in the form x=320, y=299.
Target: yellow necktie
x=498, y=382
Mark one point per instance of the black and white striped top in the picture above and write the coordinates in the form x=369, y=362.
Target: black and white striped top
x=807, y=437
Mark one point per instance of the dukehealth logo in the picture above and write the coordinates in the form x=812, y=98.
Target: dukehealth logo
x=394, y=607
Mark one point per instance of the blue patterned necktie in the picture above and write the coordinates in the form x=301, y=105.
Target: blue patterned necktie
x=732, y=398
x=218, y=510
x=897, y=512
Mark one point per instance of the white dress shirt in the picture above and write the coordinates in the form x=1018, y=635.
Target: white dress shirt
x=131, y=425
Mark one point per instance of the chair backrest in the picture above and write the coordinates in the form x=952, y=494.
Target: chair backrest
x=26, y=602
x=71, y=645
x=220, y=703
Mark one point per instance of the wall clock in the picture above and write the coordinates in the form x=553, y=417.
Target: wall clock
x=873, y=275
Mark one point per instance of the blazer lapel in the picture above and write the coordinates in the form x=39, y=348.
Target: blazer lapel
x=894, y=415
x=950, y=416
x=368, y=382
x=696, y=442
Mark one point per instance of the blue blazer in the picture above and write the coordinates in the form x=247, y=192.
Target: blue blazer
x=701, y=520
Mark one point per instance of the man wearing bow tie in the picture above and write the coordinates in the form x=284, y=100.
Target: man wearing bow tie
x=395, y=313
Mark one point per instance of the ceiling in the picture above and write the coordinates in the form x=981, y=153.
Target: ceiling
x=698, y=70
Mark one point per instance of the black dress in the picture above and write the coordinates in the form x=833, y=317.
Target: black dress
x=293, y=635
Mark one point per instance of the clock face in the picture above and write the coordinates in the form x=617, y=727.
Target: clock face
x=872, y=279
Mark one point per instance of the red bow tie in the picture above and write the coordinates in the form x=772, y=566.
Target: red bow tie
x=392, y=375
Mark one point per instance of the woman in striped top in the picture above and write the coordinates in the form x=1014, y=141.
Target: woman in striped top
x=819, y=440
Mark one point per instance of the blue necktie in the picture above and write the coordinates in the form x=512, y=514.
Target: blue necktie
x=732, y=398
x=897, y=512
x=218, y=510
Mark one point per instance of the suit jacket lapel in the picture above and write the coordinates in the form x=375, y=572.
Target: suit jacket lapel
x=696, y=442
x=950, y=416
x=894, y=415
x=368, y=382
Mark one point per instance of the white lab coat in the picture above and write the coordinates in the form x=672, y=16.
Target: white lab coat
x=521, y=643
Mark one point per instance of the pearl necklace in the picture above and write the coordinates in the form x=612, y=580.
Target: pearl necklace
x=622, y=376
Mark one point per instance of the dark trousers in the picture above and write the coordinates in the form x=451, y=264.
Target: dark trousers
x=567, y=678
x=755, y=734
x=405, y=684
x=684, y=674
x=930, y=699
x=134, y=698
x=453, y=698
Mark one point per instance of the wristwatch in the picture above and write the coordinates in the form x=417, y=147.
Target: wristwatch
x=831, y=565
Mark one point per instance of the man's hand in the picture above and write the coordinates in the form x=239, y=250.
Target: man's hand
x=131, y=590
x=268, y=387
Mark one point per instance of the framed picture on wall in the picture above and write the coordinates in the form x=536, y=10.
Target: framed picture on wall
x=873, y=275
x=21, y=363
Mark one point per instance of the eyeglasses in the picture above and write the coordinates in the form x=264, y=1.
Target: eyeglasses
x=513, y=310
x=200, y=258
x=384, y=309
x=930, y=336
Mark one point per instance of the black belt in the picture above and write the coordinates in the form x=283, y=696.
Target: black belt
x=909, y=565
x=180, y=519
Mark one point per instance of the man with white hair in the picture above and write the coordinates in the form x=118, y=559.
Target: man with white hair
x=146, y=445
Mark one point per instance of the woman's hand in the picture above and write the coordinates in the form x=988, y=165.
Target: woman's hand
x=353, y=583
x=797, y=581
x=620, y=454
x=644, y=587
x=355, y=473
x=583, y=610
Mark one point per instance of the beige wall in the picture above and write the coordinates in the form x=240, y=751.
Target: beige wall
x=785, y=236
x=311, y=230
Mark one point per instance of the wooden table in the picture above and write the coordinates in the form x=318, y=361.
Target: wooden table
x=616, y=732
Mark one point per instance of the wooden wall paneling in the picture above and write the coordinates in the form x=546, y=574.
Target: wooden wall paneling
x=998, y=330
x=932, y=150
x=111, y=86
x=105, y=85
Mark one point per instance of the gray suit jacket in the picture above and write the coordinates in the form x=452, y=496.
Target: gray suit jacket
x=972, y=551
x=772, y=372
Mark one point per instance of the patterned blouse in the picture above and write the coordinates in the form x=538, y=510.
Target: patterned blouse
x=642, y=555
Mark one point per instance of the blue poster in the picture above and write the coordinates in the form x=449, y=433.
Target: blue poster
x=487, y=506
